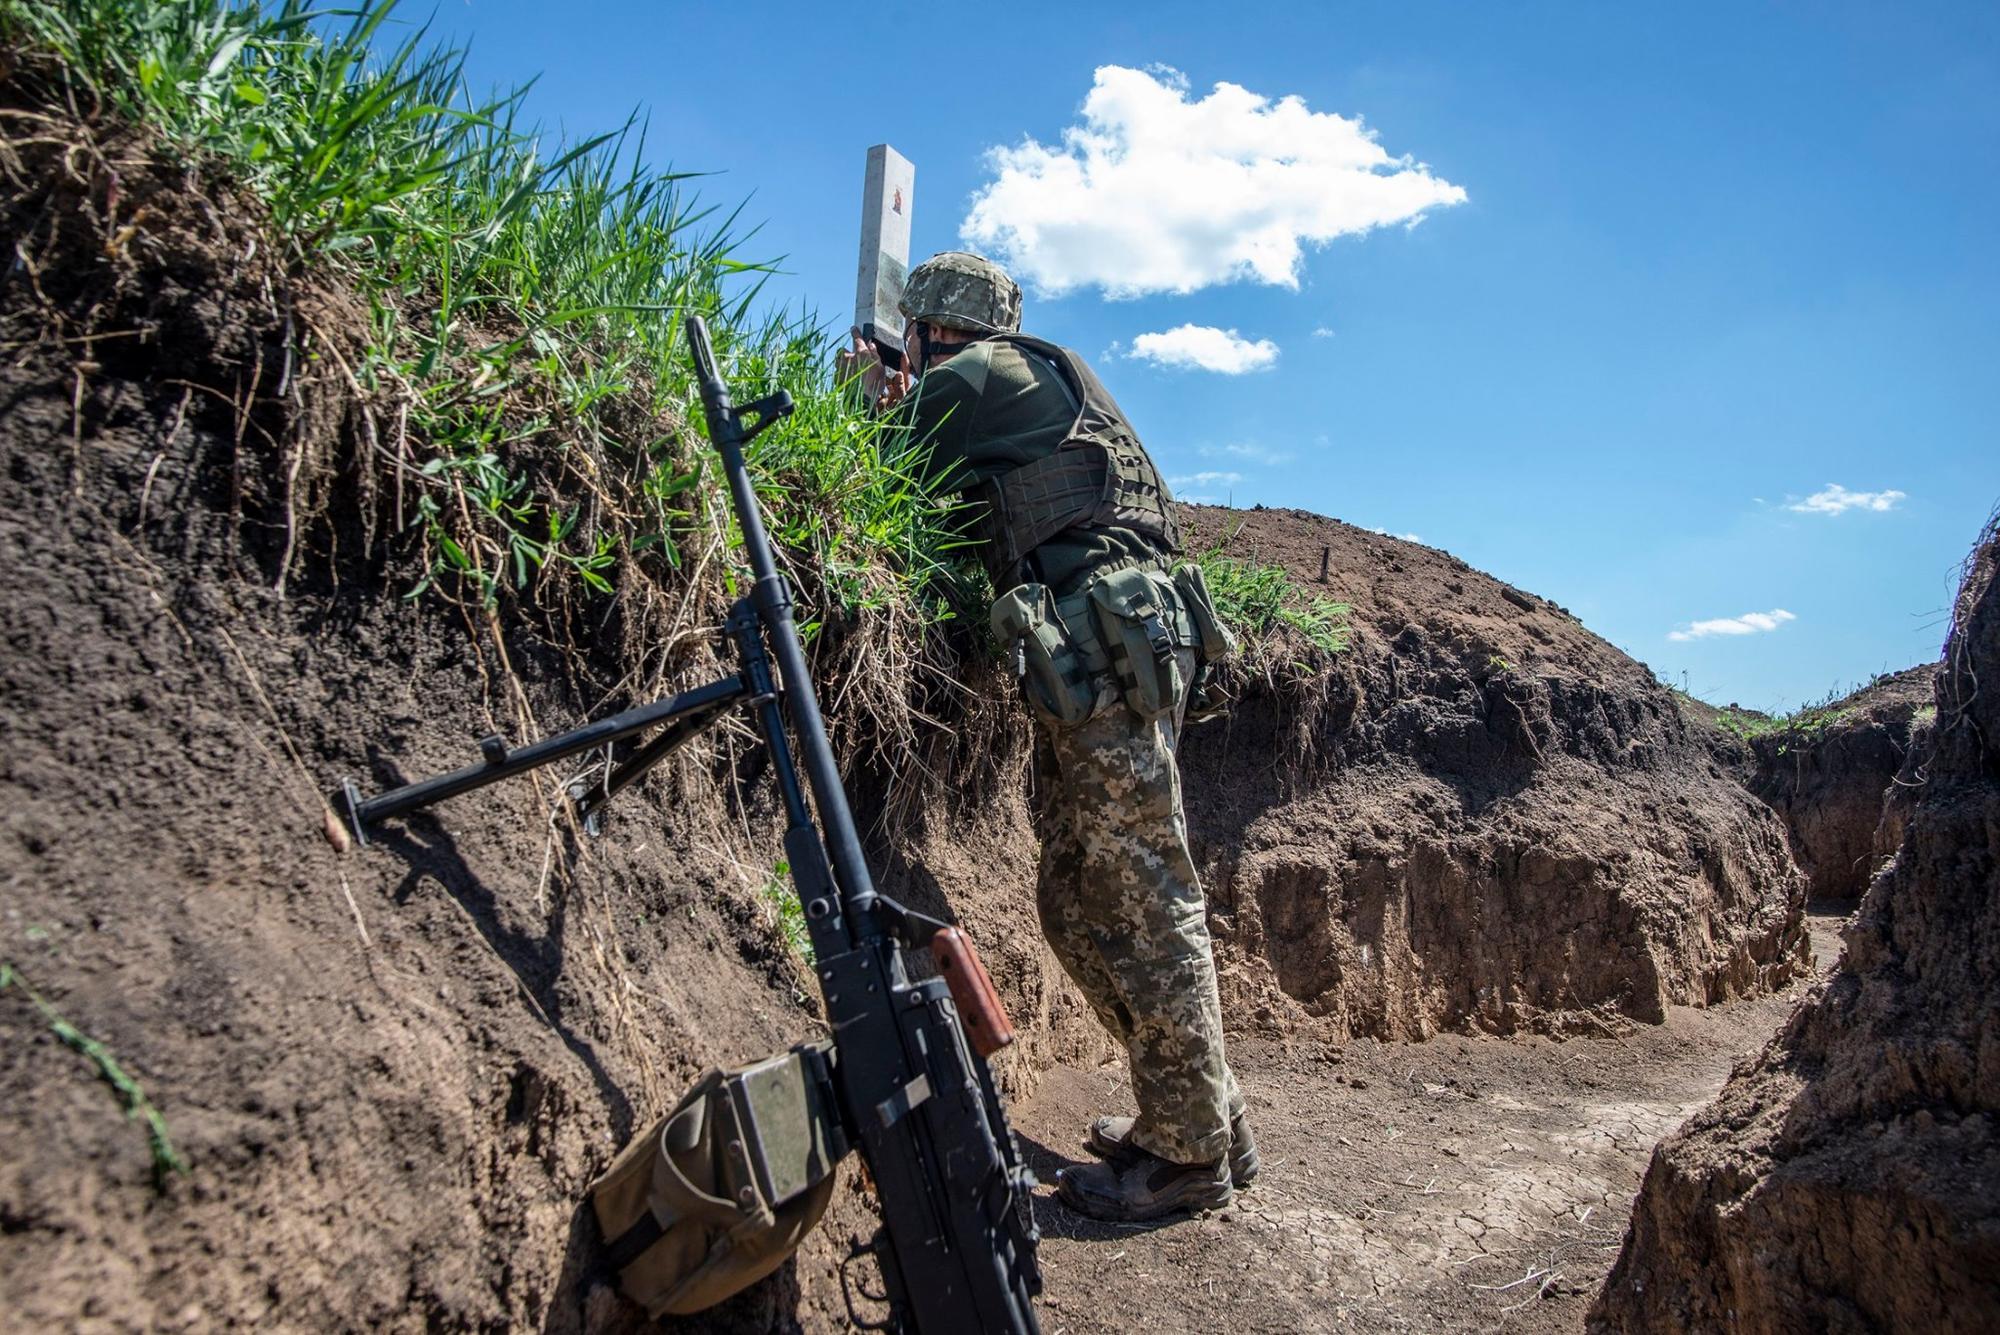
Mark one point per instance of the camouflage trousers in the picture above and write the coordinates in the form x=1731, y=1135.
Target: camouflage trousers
x=1123, y=910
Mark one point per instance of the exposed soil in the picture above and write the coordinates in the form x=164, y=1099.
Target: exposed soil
x=392, y=1074
x=1849, y=1178
x=1730, y=750
x=1465, y=1184
x=1504, y=824
x=1830, y=781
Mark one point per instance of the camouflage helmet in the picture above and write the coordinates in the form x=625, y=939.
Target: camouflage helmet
x=956, y=290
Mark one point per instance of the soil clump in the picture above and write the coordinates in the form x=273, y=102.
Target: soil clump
x=1849, y=1178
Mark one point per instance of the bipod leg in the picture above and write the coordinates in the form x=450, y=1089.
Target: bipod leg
x=590, y=797
x=747, y=634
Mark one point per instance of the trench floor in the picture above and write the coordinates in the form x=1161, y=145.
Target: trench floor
x=1463, y=1184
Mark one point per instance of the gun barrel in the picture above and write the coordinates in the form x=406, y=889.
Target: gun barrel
x=843, y=842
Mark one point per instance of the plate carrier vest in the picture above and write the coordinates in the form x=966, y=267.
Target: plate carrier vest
x=1099, y=477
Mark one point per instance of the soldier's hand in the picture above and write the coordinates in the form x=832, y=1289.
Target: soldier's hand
x=882, y=388
x=895, y=386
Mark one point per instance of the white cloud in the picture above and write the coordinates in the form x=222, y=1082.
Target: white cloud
x=1750, y=623
x=1152, y=192
x=1321, y=331
x=1834, y=499
x=1204, y=347
x=1210, y=478
x=1406, y=537
x=1256, y=454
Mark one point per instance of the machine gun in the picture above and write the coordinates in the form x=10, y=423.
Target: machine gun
x=909, y=1078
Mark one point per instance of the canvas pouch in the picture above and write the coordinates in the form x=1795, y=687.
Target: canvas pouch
x=1052, y=664
x=718, y=1193
x=1142, y=623
x=1212, y=636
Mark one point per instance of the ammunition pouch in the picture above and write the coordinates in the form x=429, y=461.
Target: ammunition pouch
x=1122, y=629
x=718, y=1193
x=1141, y=624
x=1212, y=637
x=1207, y=696
x=1055, y=676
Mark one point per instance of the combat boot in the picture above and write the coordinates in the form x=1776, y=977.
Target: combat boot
x=1138, y=1186
x=1110, y=1138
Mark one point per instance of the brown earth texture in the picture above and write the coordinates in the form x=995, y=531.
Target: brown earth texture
x=1500, y=823
x=387, y=1077
x=1830, y=774
x=1848, y=1179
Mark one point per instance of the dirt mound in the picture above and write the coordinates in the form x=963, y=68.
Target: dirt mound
x=1849, y=1178
x=1828, y=770
x=1502, y=823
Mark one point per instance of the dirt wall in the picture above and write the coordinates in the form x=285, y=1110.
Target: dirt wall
x=1848, y=1179
x=390, y=1075
x=1830, y=778
x=1503, y=824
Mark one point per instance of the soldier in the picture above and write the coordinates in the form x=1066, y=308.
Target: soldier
x=1073, y=523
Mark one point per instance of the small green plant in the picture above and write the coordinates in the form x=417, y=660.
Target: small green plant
x=1495, y=663
x=1800, y=727
x=166, y=1160
x=1747, y=724
x=790, y=915
x=1924, y=717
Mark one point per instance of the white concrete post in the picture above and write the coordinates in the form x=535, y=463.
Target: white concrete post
x=886, y=199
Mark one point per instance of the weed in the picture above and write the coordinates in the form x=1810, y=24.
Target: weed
x=783, y=897
x=1257, y=600
x=166, y=1160
x=526, y=298
x=1801, y=727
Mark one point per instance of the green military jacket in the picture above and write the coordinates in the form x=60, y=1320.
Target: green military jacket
x=992, y=408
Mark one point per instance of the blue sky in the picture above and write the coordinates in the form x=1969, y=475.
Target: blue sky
x=1709, y=261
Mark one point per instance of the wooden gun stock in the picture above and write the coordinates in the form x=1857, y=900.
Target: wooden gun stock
x=987, y=1027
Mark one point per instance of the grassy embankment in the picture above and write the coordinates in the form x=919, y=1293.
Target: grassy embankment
x=1804, y=725
x=525, y=300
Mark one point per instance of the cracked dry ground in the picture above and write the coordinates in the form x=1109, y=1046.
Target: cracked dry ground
x=1464, y=1184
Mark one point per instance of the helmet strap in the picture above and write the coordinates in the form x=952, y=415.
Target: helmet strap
x=926, y=344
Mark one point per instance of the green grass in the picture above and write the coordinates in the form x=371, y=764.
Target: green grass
x=788, y=914
x=525, y=301
x=1801, y=726
x=523, y=346
x=166, y=1160
x=1256, y=600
